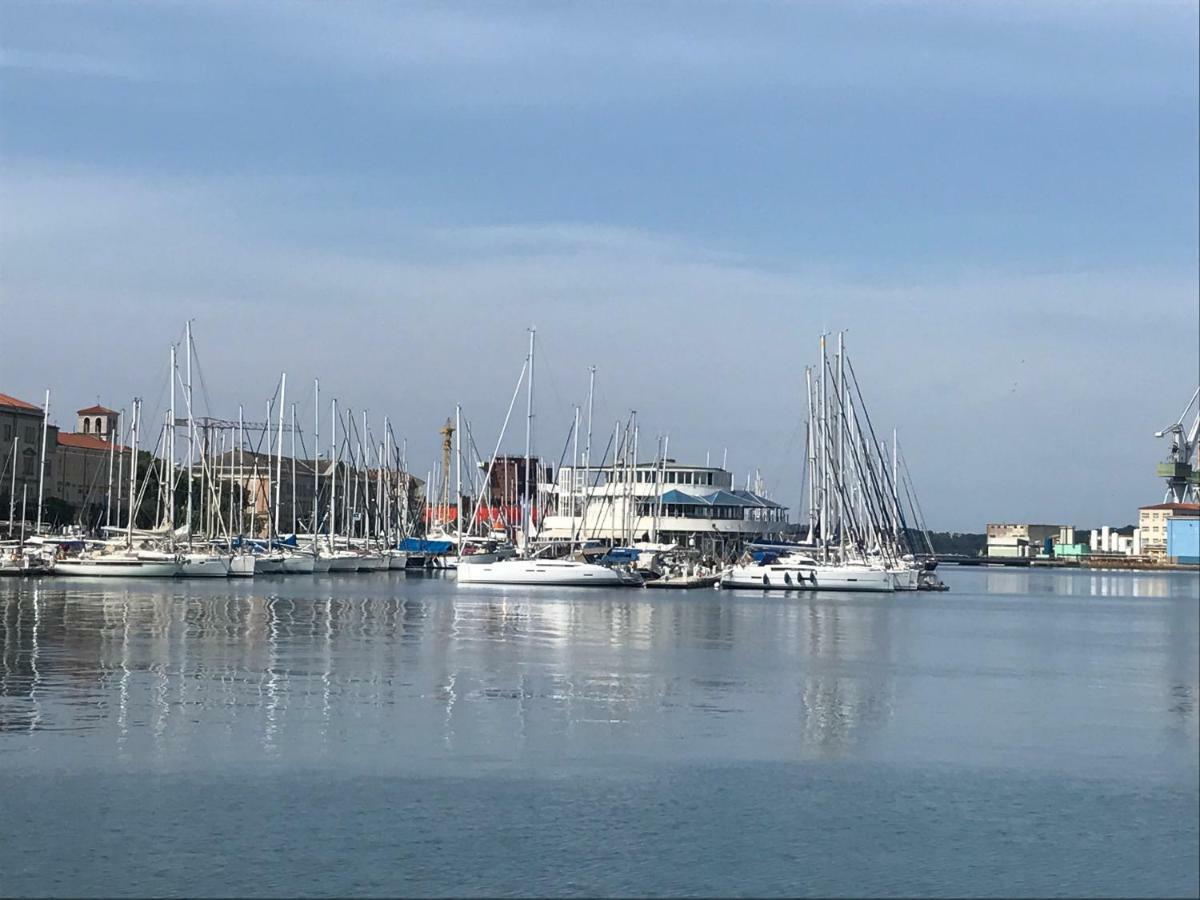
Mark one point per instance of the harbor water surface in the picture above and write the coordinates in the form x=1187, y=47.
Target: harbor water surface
x=1027, y=733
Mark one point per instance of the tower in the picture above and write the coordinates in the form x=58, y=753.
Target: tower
x=96, y=420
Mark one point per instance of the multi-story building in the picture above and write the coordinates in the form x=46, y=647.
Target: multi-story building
x=21, y=443
x=665, y=502
x=81, y=469
x=1154, y=523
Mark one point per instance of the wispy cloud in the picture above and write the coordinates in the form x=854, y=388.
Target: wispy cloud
x=70, y=64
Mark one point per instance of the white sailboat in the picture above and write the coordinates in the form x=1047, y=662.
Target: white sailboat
x=108, y=561
x=532, y=570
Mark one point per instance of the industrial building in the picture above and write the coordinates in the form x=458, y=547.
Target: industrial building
x=1183, y=538
x=1021, y=541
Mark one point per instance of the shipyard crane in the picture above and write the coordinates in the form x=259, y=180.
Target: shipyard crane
x=1182, y=468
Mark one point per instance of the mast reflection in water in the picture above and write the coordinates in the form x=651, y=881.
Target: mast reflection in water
x=683, y=723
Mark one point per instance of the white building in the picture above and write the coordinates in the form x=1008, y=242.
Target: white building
x=662, y=502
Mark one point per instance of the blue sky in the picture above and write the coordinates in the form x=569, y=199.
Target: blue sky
x=998, y=201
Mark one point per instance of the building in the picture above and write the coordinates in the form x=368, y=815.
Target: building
x=254, y=474
x=1154, y=521
x=20, y=439
x=1019, y=541
x=1183, y=540
x=666, y=502
x=80, y=466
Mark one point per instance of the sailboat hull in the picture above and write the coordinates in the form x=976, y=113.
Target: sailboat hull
x=549, y=572
x=297, y=565
x=116, y=568
x=201, y=566
x=241, y=566
x=783, y=576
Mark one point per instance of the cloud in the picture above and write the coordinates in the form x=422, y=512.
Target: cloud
x=70, y=64
x=991, y=375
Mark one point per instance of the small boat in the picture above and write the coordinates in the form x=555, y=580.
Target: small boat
x=397, y=559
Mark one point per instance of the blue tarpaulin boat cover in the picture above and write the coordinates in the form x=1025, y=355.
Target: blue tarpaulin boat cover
x=419, y=545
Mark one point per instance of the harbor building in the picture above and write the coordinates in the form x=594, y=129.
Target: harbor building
x=660, y=502
x=1019, y=541
x=1154, y=524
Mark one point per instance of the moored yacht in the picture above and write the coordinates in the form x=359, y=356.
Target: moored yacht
x=797, y=572
x=555, y=572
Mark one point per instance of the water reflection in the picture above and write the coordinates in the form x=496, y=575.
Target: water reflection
x=388, y=672
x=1090, y=583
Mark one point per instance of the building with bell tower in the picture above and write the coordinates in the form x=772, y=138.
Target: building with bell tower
x=96, y=420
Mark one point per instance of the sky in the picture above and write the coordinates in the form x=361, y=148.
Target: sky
x=997, y=202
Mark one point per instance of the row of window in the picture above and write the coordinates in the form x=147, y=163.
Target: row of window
x=691, y=510
x=651, y=476
x=29, y=436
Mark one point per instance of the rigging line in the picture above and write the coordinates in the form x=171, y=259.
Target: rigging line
x=596, y=482
x=887, y=476
x=913, y=500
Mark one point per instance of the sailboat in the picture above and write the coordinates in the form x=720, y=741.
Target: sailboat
x=533, y=570
x=859, y=539
x=107, y=560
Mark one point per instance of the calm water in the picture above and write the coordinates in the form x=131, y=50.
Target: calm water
x=1029, y=733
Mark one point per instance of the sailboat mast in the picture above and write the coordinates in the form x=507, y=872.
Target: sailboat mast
x=241, y=463
x=574, y=474
x=112, y=445
x=823, y=515
x=279, y=448
x=133, y=452
x=42, y=463
x=528, y=512
x=12, y=491
x=191, y=427
x=458, y=523
x=316, y=457
x=171, y=453
x=365, y=449
x=333, y=454
x=841, y=448
x=293, y=468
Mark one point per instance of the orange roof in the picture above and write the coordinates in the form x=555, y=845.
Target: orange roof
x=1175, y=507
x=83, y=442
x=95, y=411
x=6, y=400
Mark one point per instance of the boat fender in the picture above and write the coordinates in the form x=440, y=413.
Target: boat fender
x=766, y=580
x=787, y=578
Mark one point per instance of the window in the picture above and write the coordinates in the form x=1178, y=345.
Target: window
x=7, y=433
x=87, y=425
x=29, y=434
